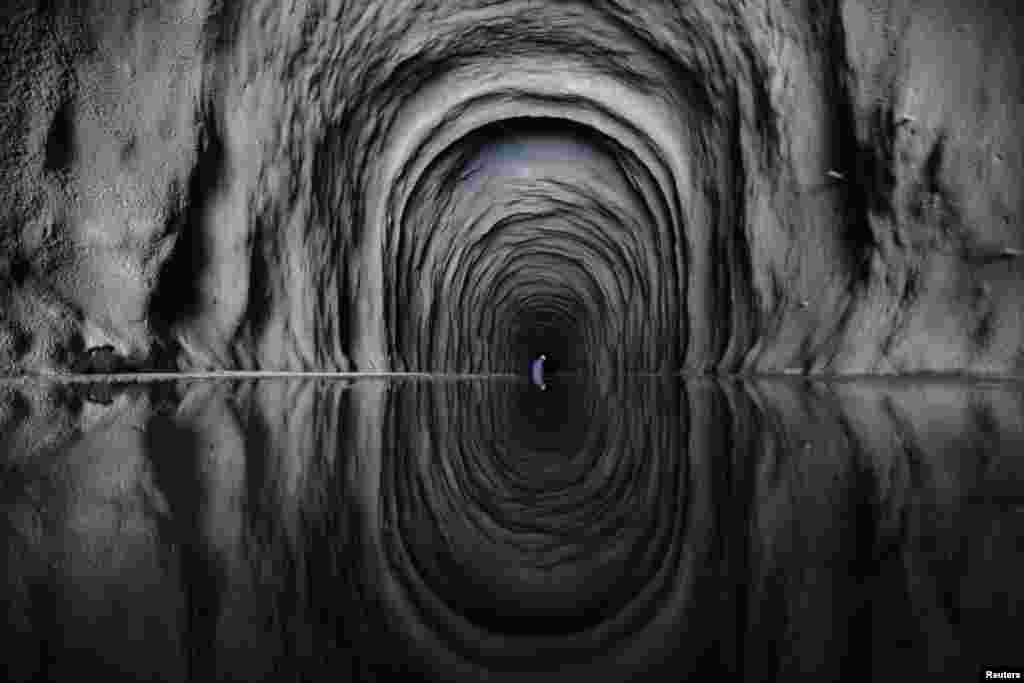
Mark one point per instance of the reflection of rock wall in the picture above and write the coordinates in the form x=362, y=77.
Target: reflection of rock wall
x=302, y=526
x=823, y=186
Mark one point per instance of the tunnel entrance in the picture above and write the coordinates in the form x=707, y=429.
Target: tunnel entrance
x=531, y=236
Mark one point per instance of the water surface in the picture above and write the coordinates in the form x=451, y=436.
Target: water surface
x=473, y=529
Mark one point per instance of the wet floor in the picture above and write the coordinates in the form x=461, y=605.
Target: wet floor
x=484, y=530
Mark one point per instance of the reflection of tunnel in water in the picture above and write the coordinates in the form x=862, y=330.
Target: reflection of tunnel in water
x=444, y=530
x=535, y=514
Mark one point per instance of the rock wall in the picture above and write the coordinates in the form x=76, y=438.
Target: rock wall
x=762, y=186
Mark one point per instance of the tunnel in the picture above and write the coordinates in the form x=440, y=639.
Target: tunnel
x=460, y=187
x=545, y=250
x=511, y=340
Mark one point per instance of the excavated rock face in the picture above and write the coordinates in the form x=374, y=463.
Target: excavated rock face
x=826, y=187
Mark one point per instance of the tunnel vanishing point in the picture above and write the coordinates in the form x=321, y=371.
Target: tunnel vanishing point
x=460, y=185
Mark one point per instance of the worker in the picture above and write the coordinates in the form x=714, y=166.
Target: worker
x=537, y=372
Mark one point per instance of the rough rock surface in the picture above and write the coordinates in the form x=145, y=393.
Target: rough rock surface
x=459, y=185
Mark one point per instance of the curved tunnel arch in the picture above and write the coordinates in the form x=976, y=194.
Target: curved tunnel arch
x=615, y=226
x=637, y=107
x=557, y=217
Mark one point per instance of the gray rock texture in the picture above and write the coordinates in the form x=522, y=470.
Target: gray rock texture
x=827, y=187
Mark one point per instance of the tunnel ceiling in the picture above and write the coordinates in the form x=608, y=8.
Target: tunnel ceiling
x=461, y=186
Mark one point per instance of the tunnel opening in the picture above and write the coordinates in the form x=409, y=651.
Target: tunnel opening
x=529, y=236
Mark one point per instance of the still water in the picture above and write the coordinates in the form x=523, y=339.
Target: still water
x=484, y=530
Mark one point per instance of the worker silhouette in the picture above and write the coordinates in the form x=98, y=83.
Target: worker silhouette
x=537, y=372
